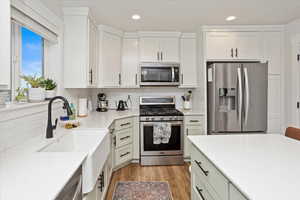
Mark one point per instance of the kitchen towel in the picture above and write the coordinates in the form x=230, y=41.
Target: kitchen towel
x=161, y=133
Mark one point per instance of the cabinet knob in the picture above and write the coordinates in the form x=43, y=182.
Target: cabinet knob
x=236, y=52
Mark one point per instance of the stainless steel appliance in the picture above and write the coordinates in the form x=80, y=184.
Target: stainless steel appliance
x=102, y=103
x=237, y=97
x=159, y=74
x=157, y=110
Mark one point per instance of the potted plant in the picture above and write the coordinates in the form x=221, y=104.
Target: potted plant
x=21, y=95
x=50, y=86
x=36, y=93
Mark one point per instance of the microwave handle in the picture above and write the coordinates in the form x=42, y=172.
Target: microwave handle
x=173, y=74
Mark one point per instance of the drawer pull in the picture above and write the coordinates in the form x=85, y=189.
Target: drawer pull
x=125, y=154
x=200, y=192
x=199, y=165
x=124, y=138
x=126, y=124
x=194, y=121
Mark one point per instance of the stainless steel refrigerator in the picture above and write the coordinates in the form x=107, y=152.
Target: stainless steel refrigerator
x=237, y=97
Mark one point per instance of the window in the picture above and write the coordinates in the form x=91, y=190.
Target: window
x=27, y=56
x=32, y=54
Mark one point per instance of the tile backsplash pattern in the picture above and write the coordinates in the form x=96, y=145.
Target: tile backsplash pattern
x=19, y=130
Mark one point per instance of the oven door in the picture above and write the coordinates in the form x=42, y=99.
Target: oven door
x=159, y=75
x=174, y=147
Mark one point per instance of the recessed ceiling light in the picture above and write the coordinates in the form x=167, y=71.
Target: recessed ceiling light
x=230, y=18
x=136, y=17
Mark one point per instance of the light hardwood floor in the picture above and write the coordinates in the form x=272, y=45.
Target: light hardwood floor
x=177, y=176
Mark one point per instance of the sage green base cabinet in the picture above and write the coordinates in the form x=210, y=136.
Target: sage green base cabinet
x=207, y=182
x=193, y=125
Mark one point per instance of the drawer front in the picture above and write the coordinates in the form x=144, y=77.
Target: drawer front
x=234, y=194
x=123, y=137
x=199, y=191
x=194, y=130
x=216, y=183
x=123, y=123
x=194, y=120
x=123, y=154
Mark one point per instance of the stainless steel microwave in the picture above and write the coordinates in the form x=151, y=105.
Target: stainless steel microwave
x=160, y=74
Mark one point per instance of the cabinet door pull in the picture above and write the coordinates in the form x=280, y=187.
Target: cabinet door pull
x=123, y=138
x=158, y=56
x=181, y=78
x=161, y=56
x=231, y=52
x=91, y=76
x=199, y=165
x=200, y=192
x=187, y=131
x=194, y=121
x=126, y=124
x=115, y=141
x=125, y=154
x=136, y=79
x=236, y=52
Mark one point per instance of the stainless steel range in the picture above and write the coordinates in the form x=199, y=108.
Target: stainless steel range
x=161, y=134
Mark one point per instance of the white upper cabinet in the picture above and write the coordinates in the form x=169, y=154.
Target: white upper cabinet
x=248, y=45
x=219, y=45
x=273, y=51
x=169, y=48
x=149, y=50
x=109, y=72
x=130, y=63
x=188, y=61
x=234, y=46
x=5, y=44
x=80, y=49
x=159, y=47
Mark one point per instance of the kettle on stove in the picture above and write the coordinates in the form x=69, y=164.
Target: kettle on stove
x=122, y=105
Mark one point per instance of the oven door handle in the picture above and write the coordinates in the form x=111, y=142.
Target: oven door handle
x=153, y=123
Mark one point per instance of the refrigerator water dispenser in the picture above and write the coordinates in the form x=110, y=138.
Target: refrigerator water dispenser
x=227, y=99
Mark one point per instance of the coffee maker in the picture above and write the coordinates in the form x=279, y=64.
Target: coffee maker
x=102, y=104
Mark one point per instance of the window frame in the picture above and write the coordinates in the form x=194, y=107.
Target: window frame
x=16, y=57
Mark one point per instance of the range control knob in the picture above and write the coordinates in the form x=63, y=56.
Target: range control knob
x=147, y=118
x=152, y=118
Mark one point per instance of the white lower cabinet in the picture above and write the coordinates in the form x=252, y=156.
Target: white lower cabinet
x=123, y=141
x=207, y=182
x=103, y=181
x=193, y=125
x=235, y=194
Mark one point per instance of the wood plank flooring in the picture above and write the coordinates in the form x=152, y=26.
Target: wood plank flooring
x=177, y=176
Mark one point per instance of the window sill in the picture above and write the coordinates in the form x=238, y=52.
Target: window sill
x=18, y=110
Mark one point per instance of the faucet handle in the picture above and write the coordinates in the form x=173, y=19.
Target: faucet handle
x=56, y=121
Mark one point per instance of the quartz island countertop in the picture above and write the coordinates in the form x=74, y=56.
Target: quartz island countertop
x=262, y=167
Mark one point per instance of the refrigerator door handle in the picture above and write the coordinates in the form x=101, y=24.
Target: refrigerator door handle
x=240, y=91
x=247, y=94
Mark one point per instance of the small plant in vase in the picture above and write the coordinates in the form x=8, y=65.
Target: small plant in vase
x=36, y=92
x=21, y=95
x=50, y=86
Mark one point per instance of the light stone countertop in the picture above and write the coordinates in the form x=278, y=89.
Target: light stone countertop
x=28, y=174
x=262, y=167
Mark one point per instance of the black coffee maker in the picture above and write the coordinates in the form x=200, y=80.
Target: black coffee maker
x=102, y=105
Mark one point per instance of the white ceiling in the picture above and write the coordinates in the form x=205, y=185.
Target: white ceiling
x=184, y=15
